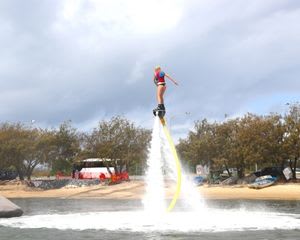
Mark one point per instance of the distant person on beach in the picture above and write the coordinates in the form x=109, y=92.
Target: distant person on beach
x=159, y=80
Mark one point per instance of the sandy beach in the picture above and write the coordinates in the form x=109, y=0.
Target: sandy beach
x=135, y=190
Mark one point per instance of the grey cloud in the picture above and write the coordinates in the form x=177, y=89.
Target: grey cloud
x=224, y=54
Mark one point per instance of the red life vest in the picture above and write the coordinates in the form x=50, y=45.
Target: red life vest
x=160, y=78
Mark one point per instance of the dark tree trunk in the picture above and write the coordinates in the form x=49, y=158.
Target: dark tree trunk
x=294, y=168
x=282, y=165
x=241, y=172
x=229, y=173
x=291, y=166
x=29, y=170
x=108, y=169
x=29, y=173
x=20, y=173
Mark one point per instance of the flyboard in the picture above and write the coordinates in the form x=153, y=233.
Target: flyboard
x=161, y=114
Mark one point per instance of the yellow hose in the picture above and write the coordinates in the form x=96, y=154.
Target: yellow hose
x=178, y=166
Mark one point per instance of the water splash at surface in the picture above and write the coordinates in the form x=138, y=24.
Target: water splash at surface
x=140, y=221
x=161, y=166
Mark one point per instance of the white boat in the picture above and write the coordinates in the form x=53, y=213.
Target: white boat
x=262, y=182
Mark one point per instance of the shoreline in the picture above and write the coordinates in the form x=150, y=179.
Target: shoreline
x=135, y=190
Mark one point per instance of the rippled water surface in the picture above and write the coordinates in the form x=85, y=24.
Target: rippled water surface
x=125, y=219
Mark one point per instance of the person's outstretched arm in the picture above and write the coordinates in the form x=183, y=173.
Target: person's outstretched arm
x=168, y=76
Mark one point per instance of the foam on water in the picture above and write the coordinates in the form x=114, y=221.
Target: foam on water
x=209, y=221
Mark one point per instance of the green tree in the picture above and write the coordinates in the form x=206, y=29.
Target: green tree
x=64, y=149
x=199, y=147
x=118, y=140
x=253, y=142
x=225, y=142
x=238, y=143
x=292, y=136
x=17, y=148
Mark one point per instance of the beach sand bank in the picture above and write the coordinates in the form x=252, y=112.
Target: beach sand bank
x=136, y=189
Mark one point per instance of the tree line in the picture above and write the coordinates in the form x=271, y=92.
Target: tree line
x=23, y=148
x=242, y=143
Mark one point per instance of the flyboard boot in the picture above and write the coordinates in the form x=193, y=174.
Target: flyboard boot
x=160, y=111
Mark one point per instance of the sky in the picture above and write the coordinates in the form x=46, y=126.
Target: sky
x=89, y=60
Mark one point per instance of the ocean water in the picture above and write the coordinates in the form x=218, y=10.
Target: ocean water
x=72, y=219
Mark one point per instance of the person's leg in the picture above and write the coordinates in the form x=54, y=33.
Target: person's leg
x=160, y=97
x=160, y=94
x=160, y=110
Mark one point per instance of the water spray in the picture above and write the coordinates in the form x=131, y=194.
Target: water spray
x=155, y=162
x=178, y=165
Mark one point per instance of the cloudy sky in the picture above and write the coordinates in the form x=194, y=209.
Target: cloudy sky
x=87, y=60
